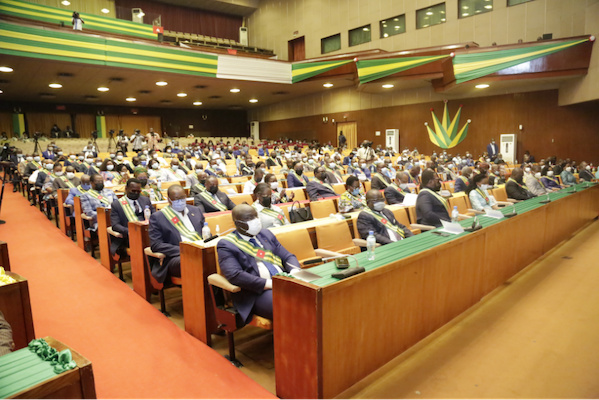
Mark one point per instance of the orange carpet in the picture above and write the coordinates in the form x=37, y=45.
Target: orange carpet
x=135, y=351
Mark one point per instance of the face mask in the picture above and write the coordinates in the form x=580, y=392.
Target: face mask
x=549, y=173
x=588, y=167
x=110, y=167
x=355, y=165
x=145, y=152
x=112, y=156
x=72, y=157
x=403, y=185
x=356, y=191
x=198, y=171
x=311, y=161
x=178, y=205
x=168, y=151
x=70, y=175
x=538, y=175
x=175, y=167
x=60, y=153
x=385, y=170
x=274, y=185
x=266, y=201
x=133, y=196
x=59, y=173
x=29, y=158
x=49, y=166
x=98, y=164
x=119, y=158
x=254, y=226
x=527, y=169
x=299, y=171
x=363, y=165
x=155, y=155
x=569, y=169
x=485, y=186
x=213, y=189
x=379, y=206
x=99, y=186
x=37, y=158
x=81, y=158
x=86, y=186
x=155, y=166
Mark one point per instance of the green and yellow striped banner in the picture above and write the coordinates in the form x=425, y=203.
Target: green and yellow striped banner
x=18, y=124
x=471, y=66
x=302, y=71
x=446, y=134
x=370, y=70
x=38, y=12
x=101, y=126
x=62, y=46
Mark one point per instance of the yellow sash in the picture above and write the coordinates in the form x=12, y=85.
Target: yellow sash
x=169, y=213
x=258, y=253
x=386, y=223
x=440, y=198
x=129, y=212
x=95, y=194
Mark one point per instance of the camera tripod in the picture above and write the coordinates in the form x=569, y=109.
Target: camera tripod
x=111, y=140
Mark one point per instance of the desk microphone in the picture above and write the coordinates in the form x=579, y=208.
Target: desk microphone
x=215, y=236
x=341, y=264
x=513, y=213
x=547, y=200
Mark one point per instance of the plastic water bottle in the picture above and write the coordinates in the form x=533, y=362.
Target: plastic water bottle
x=206, y=231
x=370, y=245
x=217, y=233
x=147, y=213
x=454, y=214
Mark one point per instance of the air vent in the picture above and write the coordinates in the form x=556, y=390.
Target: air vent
x=214, y=97
x=47, y=95
x=65, y=75
x=145, y=91
x=280, y=93
x=200, y=87
x=235, y=107
x=165, y=101
x=90, y=97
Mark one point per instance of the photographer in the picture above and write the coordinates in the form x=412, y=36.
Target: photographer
x=366, y=151
x=123, y=141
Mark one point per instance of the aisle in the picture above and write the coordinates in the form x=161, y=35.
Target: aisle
x=534, y=337
x=135, y=351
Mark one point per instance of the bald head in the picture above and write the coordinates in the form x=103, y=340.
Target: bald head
x=176, y=192
x=517, y=174
x=466, y=172
x=241, y=214
x=85, y=179
x=374, y=196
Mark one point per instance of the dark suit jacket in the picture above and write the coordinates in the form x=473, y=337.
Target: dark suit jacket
x=377, y=184
x=514, y=191
x=48, y=156
x=41, y=178
x=429, y=210
x=392, y=195
x=241, y=270
x=317, y=190
x=92, y=170
x=199, y=201
x=292, y=181
x=585, y=175
x=492, y=149
x=333, y=178
x=165, y=238
x=120, y=223
x=459, y=185
x=367, y=223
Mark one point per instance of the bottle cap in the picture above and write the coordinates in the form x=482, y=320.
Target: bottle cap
x=371, y=232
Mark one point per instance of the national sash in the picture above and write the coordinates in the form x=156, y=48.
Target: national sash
x=37, y=165
x=274, y=214
x=465, y=180
x=440, y=198
x=386, y=223
x=65, y=180
x=357, y=198
x=482, y=194
x=129, y=213
x=258, y=253
x=170, y=215
x=521, y=185
x=96, y=195
x=184, y=168
x=381, y=178
x=81, y=190
x=216, y=203
x=326, y=185
x=400, y=190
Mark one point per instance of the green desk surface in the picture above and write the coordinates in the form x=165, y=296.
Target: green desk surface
x=427, y=240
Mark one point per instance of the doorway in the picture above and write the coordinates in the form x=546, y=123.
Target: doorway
x=297, y=49
x=350, y=130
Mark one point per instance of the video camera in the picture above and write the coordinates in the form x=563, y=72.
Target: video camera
x=95, y=134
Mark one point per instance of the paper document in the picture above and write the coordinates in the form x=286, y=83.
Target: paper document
x=231, y=191
x=494, y=214
x=304, y=275
x=409, y=199
x=451, y=227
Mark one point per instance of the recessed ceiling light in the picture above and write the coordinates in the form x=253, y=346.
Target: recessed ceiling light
x=443, y=19
x=55, y=85
x=465, y=14
x=387, y=85
x=103, y=89
x=328, y=84
x=482, y=86
x=197, y=103
x=1, y=92
x=65, y=3
x=131, y=99
x=465, y=7
x=161, y=83
x=181, y=94
x=397, y=28
x=105, y=10
x=5, y=69
x=235, y=90
x=253, y=100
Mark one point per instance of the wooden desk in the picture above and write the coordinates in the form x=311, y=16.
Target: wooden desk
x=138, y=241
x=79, y=227
x=61, y=196
x=103, y=237
x=330, y=334
x=16, y=307
x=4, y=258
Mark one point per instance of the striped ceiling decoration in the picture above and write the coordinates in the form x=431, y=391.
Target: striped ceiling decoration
x=370, y=70
x=471, y=66
x=47, y=44
x=305, y=70
x=38, y=12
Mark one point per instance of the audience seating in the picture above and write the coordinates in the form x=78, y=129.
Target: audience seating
x=242, y=198
x=300, y=193
x=322, y=208
x=84, y=236
x=336, y=237
x=224, y=221
x=462, y=203
x=298, y=242
x=174, y=281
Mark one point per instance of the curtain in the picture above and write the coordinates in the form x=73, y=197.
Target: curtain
x=43, y=122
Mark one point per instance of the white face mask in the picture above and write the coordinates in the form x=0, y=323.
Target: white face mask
x=98, y=164
x=588, y=167
x=537, y=175
x=363, y=165
x=119, y=157
x=527, y=169
x=37, y=158
x=110, y=167
x=70, y=175
x=175, y=167
x=155, y=166
x=274, y=185
x=81, y=158
x=254, y=226
x=569, y=169
x=72, y=157
x=549, y=173
x=485, y=186
x=29, y=158
x=379, y=206
x=49, y=166
x=198, y=171
x=60, y=153
x=112, y=156
x=403, y=185
x=58, y=173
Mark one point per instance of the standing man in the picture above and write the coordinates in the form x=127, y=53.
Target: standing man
x=153, y=138
x=492, y=149
x=342, y=140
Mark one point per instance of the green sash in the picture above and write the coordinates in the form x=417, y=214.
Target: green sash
x=335, y=173
x=169, y=213
x=184, y=168
x=258, y=253
x=216, y=203
x=400, y=190
x=325, y=185
x=381, y=178
x=129, y=212
x=81, y=190
x=386, y=223
x=356, y=198
x=200, y=187
x=151, y=189
x=95, y=194
x=440, y=198
x=37, y=165
x=274, y=214
x=465, y=180
x=64, y=179
x=523, y=186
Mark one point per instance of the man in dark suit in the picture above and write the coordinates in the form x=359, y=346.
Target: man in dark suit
x=515, y=187
x=395, y=192
x=248, y=258
x=463, y=181
x=128, y=208
x=296, y=177
x=342, y=139
x=431, y=208
x=381, y=221
x=173, y=224
x=212, y=199
x=492, y=149
x=585, y=172
x=379, y=180
x=49, y=153
x=319, y=188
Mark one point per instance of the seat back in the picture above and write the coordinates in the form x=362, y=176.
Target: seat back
x=235, y=179
x=322, y=208
x=460, y=202
x=166, y=185
x=499, y=193
x=297, y=242
x=339, y=188
x=229, y=189
x=449, y=185
x=401, y=215
x=336, y=237
x=300, y=193
x=367, y=185
x=242, y=198
x=224, y=222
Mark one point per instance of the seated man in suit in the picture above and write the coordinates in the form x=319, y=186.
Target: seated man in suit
x=296, y=177
x=270, y=214
x=515, y=187
x=49, y=153
x=463, y=181
x=379, y=220
x=212, y=199
x=533, y=181
x=585, y=172
x=128, y=208
x=174, y=173
x=175, y=223
x=200, y=186
x=414, y=175
x=353, y=199
x=96, y=197
x=250, y=185
x=77, y=191
x=319, y=188
x=431, y=208
x=395, y=192
x=248, y=258
x=379, y=180
x=333, y=171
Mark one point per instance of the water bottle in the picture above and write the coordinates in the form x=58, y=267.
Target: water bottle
x=206, y=231
x=454, y=214
x=147, y=213
x=217, y=233
x=370, y=245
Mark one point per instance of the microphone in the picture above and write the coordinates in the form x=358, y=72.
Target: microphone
x=339, y=265
x=547, y=200
x=215, y=236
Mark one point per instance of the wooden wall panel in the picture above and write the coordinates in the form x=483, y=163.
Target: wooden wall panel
x=129, y=123
x=6, y=123
x=184, y=19
x=548, y=129
x=43, y=122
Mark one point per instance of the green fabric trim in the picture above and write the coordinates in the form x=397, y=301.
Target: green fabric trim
x=370, y=70
x=305, y=70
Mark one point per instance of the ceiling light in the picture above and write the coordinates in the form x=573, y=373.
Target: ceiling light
x=443, y=19
x=235, y=90
x=482, y=86
x=384, y=25
x=105, y=10
x=197, y=103
x=55, y=85
x=488, y=6
x=131, y=99
x=253, y=100
x=465, y=7
x=328, y=84
x=65, y=3
x=397, y=27
x=181, y=94
x=161, y=83
x=103, y=89
x=429, y=13
x=1, y=92
x=5, y=69
x=387, y=85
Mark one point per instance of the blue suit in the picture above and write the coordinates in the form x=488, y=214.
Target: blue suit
x=492, y=149
x=165, y=239
x=460, y=185
x=90, y=204
x=292, y=181
x=48, y=156
x=241, y=270
x=120, y=223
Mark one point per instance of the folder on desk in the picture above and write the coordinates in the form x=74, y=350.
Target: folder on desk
x=451, y=227
x=304, y=275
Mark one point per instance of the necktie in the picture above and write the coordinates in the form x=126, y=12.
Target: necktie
x=137, y=207
x=271, y=268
